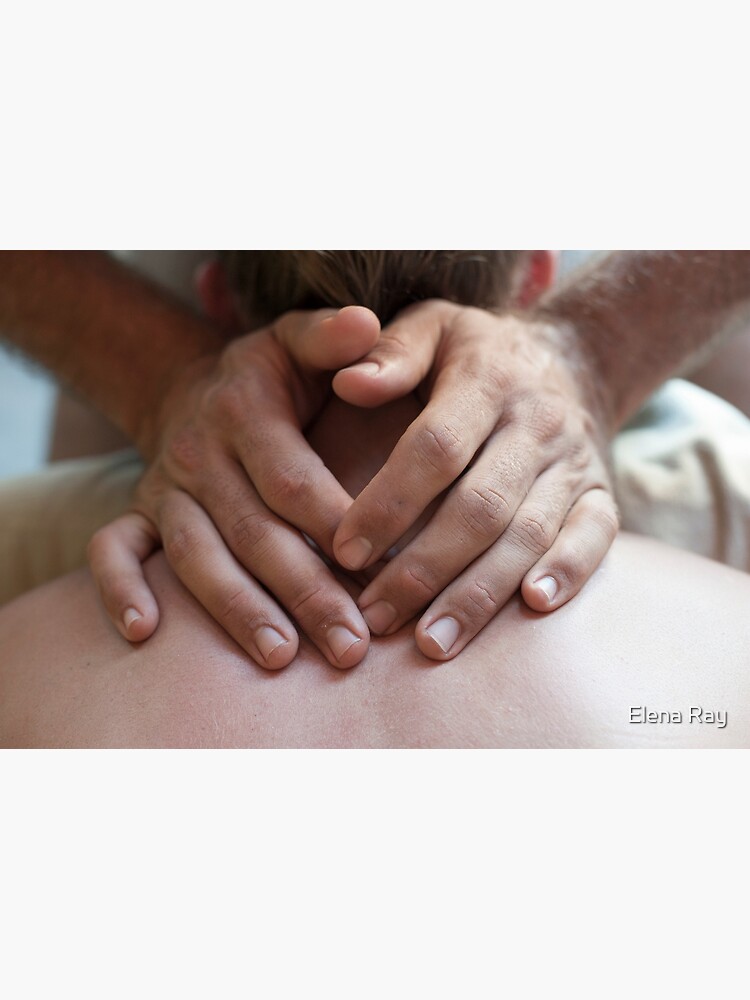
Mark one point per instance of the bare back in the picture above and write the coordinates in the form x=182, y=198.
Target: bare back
x=656, y=630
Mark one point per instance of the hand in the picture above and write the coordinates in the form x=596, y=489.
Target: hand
x=512, y=431
x=233, y=486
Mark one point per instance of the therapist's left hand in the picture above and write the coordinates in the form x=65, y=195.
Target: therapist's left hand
x=512, y=440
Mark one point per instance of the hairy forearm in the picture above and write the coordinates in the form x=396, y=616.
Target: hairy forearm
x=110, y=335
x=641, y=316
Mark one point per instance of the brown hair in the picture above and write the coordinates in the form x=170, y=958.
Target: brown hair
x=268, y=283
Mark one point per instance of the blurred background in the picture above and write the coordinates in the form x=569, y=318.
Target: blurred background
x=28, y=397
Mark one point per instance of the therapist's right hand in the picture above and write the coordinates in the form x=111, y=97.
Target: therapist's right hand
x=233, y=487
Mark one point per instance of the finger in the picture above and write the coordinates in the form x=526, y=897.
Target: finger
x=199, y=558
x=115, y=555
x=291, y=479
x=328, y=339
x=259, y=426
x=585, y=538
x=471, y=518
x=399, y=361
x=259, y=416
x=475, y=597
x=278, y=557
x=432, y=453
x=261, y=422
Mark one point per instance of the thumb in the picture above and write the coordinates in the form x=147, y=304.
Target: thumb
x=327, y=339
x=399, y=361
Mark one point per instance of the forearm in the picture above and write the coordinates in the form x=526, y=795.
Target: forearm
x=641, y=316
x=109, y=334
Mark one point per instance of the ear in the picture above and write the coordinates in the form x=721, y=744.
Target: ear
x=539, y=275
x=216, y=296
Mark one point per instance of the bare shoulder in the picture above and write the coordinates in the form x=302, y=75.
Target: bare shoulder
x=655, y=630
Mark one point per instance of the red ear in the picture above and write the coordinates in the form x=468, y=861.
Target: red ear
x=540, y=274
x=215, y=295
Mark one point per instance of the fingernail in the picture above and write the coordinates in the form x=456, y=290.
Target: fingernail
x=130, y=615
x=355, y=553
x=548, y=584
x=340, y=640
x=379, y=616
x=366, y=368
x=444, y=631
x=267, y=639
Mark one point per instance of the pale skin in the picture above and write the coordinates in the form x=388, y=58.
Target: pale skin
x=544, y=414
x=633, y=320
x=544, y=418
x=534, y=510
x=680, y=302
x=532, y=406
x=148, y=363
x=669, y=639
x=224, y=430
x=271, y=385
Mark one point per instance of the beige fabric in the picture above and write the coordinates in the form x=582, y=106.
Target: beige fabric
x=46, y=519
x=682, y=474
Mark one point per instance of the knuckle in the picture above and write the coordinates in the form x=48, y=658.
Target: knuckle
x=484, y=509
x=392, y=347
x=415, y=585
x=185, y=452
x=181, y=544
x=573, y=562
x=231, y=403
x=250, y=532
x=535, y=530
x=242, y=615
x=234, y=611
x=314, y=606
x=481, y=602
x=385, y=513
x=606, y=516
x=578, y=554
x=384, y=518
x=493, y=379
x=440, y=446
x=287, y=485
x=547, y=419
x=579, y=456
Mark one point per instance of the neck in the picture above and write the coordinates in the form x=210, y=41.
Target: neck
x=355, y=443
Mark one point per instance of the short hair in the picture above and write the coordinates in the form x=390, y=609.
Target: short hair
x=268, y=283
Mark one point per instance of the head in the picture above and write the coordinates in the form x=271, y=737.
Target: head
x=256, y=286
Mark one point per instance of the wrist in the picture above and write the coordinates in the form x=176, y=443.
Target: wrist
x=574, y=341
